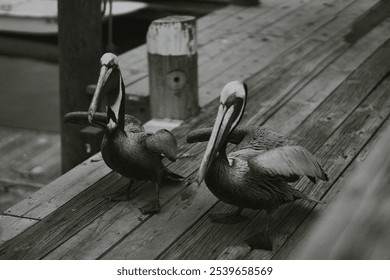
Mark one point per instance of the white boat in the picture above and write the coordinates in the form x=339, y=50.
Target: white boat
x=40, y=16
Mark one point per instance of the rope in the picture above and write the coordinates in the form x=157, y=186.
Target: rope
x=110, y=44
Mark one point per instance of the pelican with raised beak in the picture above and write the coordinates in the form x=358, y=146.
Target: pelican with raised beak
x=126, y=147
x=256, y=173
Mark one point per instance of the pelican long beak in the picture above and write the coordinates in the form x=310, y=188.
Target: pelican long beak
x=103, y=76
x=219, y=137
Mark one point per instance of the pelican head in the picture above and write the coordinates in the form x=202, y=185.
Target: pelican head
x=230, y=111
x=109, y=85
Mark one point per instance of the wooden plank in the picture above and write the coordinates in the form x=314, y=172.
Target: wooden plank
x=285, y=117
x=319, y=127
x=91, y=248
x=209, y=39
x=337, y=152
x=12, y=226
x=51, y=197
x=129, y=59
x=244, y=61
x=304, y=231
x=41, y=238
x=188, y=169
x=357, y=224
x=295, y=28
x=61, y=190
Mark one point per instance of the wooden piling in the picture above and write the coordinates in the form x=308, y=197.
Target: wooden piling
x=80, y=48
x=173, y=67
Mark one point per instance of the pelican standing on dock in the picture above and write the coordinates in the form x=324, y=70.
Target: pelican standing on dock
x=256, y=173
x=126, y=148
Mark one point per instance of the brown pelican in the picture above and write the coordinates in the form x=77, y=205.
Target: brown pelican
x=126, y=148
x=255, y=174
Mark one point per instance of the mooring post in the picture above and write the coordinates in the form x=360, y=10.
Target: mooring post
x=80, y=48
x=173, y=67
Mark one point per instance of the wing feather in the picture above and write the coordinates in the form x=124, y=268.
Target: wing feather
x=163, y=143
x=287, y=162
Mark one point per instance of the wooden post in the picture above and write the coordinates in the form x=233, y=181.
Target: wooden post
x=80, y=48
x=173, y=67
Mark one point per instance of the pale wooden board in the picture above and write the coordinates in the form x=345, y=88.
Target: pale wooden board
x=60, y=225
x=245, y=61
x=12, y=226
x=90, y=247
x=357, y=224
x=314, y=92
x=201, y=118
x=319, y=128
x=305, y=230
x=230, y=64
x=51, y=197
x=219, y=40
x=134, y=62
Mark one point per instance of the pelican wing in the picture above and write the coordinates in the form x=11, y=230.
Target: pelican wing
x=163, y=143
x=132, y=124
x=287, y=163
x=260, y=138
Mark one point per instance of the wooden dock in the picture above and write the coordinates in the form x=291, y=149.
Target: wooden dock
x=317, y=72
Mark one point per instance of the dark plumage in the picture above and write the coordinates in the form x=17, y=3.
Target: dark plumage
x=126, y=148
x=256, y=173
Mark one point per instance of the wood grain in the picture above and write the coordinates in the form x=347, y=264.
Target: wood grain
x=357, y=225
x=12, y=226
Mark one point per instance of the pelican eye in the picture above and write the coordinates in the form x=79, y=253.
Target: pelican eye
x=232, y=100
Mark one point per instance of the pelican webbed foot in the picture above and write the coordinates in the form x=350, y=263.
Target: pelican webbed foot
x=260, y=240
x=228, y=218
x=153, y=207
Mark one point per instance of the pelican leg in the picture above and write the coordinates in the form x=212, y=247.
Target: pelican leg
x=122, y=195
x=153, y=206
x=228, y=218
x=262, y=240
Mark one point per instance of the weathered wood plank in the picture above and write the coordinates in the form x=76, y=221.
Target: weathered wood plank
x=319, y=127
x=338, y=151
x=214, y=39
x=51, y=197
x=294, y=30
x=12, y=226
x=61, y=190
x=91, y=248
x=295, y=27
x=357, y=224
x=315, y=91
x=122, y=214
x=304, y=231
x=41, y=237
